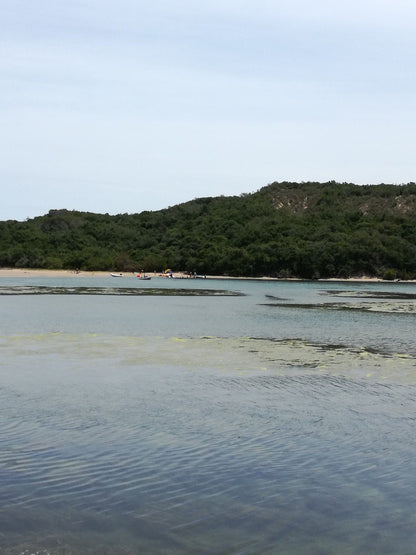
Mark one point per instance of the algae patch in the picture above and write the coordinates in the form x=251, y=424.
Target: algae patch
x=120, y=291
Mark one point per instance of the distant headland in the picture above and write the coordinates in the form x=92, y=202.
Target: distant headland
x=305, y=230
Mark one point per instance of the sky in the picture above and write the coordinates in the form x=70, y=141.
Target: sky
x=123, y=106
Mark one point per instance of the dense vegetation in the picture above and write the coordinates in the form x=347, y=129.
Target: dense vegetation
x=308, y=230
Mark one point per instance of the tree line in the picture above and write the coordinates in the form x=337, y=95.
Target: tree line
x=307, y=230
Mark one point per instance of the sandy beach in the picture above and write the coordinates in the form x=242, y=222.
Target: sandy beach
x=30, y=273
x=27, y=272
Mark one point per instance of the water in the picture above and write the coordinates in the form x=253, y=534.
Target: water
x=280, y=421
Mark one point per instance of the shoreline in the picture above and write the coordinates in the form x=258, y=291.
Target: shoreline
x=30, y=273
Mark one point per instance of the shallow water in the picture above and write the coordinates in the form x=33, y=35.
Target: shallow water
x=205, y=424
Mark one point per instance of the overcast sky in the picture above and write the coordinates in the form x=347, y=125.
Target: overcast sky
x=124, y=106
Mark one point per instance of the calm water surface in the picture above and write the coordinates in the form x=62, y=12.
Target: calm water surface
x=274, y=422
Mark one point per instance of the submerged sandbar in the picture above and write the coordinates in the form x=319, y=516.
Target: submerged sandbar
x=120, y=291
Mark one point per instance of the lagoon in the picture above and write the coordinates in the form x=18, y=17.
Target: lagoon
x=240, y=417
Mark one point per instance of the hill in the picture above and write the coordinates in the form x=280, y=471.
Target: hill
x=307, y=230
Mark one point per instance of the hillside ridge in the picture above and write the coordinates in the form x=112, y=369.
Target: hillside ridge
x=285, y=229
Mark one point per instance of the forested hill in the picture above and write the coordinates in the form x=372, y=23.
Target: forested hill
x=306, y=230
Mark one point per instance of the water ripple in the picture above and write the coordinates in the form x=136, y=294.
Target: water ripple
x=251, y=434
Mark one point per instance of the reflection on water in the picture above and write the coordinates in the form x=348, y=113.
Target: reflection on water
x=209, y=445
x=148, y=424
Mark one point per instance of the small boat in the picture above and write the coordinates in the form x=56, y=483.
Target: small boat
x=144, y=277
x=117, y=275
